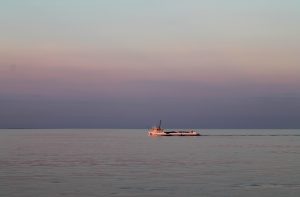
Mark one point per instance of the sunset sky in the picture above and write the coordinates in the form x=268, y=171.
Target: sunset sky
x=127, y=64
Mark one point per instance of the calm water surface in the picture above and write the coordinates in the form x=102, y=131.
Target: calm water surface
x=128, y=163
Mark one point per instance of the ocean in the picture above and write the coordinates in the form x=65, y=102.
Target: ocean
x=128, y=163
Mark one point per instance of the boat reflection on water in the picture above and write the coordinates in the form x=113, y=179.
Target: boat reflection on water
x=158, y=131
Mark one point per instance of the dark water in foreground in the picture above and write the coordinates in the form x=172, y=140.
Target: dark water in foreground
x=128, y=163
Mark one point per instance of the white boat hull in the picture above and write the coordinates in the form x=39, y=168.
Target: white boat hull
x=158, y=131
x=174, y=133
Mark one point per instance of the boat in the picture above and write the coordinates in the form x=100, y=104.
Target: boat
x=158, y=131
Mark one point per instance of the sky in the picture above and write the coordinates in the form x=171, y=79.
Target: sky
x=128, y=64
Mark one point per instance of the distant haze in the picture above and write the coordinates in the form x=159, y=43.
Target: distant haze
x=128, y=64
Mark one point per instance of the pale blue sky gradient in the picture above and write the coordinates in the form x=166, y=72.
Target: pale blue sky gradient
x=213, y=64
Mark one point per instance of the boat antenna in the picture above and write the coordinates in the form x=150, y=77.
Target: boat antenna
x=159, y=127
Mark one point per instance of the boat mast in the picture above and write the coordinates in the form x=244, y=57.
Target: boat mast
x=159, y=126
